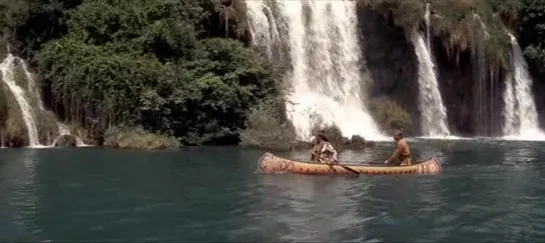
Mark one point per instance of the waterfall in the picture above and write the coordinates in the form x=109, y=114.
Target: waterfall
x=509, y=126
x=31, y=83
x=520, y=114
x=325, y=57
x=433, y=113
x=264, y=28
x=7, y=68
x=63, y=129
x=427, y=21
x=24, y=98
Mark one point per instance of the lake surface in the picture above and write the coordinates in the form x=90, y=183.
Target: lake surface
x=488, y=191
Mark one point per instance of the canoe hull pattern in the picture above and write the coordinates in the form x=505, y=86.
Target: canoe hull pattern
x=269, y=163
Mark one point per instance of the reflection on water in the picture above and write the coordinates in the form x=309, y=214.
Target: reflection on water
x=485, y=186
x=308, y=208
x=18, y=193
x=488, y=191
x=518, y=156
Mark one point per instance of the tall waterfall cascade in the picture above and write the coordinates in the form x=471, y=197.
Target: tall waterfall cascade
x=325, y=56
x=520, y=114
x=433, y=121
x=7, y=67
x=26, y=98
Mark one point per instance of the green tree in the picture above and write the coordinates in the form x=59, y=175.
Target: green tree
x=532, y=31
x=146, y=63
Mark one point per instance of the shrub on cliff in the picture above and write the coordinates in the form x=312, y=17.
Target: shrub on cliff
x=266, y=127
x=47, y=126
x=66, y=141
x=404, y=13
x=531, y=16
x=138, y=138
x=389, y=114
x=462, y=25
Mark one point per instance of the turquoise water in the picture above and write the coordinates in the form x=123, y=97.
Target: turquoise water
x=488, y=191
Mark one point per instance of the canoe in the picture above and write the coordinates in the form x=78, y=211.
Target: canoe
x=269, y=163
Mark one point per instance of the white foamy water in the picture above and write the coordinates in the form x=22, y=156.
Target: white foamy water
x=433, y=113
x=427, y=21
x=520, y=114
x=263, y=25
x=31, y=83
x=7, y=67
x=325, y=58
x=64, y=130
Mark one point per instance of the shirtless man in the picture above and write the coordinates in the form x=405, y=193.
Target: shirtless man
x=402, y=152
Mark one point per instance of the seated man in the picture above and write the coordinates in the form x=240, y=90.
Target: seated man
x=323, y=151
x=402, y=152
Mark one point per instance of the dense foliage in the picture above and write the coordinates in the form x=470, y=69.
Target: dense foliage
x=532, y=31
x=162, y=65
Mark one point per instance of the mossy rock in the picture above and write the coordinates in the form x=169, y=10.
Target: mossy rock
x=138, y=138
x=66, y=140
x=390, y=115
x=11, y=119
x=83, y=134
x=16, y=134
x=357, y=142
x=46, y=123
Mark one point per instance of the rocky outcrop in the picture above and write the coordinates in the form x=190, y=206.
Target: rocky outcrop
x=66, y=141
x=391, y=61
x=471, y=85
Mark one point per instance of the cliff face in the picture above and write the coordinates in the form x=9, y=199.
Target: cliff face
x=538, y=74
x=455, y=79
x=391, y=61
x=472, y=92
x=470, y=80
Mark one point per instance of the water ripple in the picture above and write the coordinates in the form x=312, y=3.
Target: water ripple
x=487, y=192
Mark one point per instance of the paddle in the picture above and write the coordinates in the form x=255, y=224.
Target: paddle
x=320, y=158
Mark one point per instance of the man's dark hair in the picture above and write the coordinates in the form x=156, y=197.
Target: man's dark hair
x=322, y=136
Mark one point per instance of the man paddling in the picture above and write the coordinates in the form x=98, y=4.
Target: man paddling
x=402, y=152
x=323, y=151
